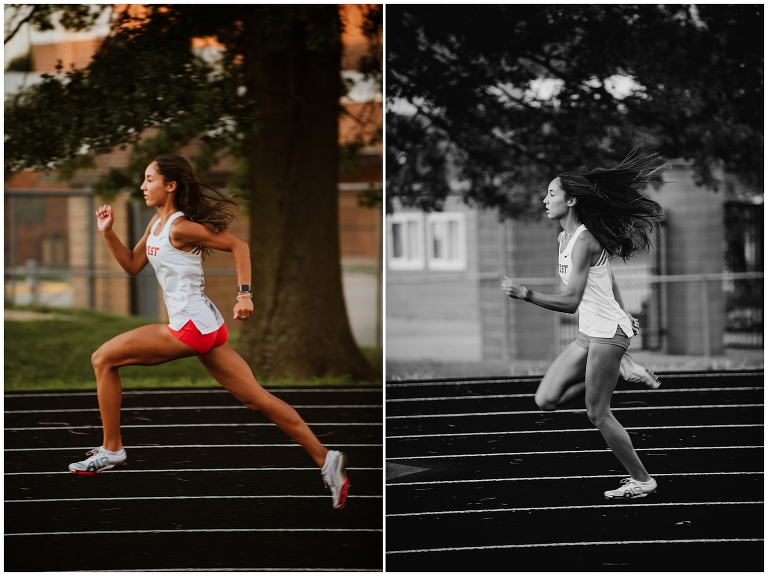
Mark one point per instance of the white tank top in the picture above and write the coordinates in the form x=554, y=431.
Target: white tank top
x=599, y=312
x=181, y=276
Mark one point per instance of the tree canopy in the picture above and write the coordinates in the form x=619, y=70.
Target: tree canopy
x=502, y=98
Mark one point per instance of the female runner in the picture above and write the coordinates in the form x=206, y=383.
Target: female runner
x=604, y=214
x=188, y=225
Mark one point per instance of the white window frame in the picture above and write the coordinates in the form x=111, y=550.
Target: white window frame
x=459, y=260
x=416, y=261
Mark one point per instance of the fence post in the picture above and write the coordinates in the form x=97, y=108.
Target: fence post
x=505, y=339
x=12, y=233
x=91, y=252
x=33, y=280
x=705, y=317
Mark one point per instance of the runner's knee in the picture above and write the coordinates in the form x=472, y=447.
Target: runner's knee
x=99, y=359
x=598, y=415
x=544, y=403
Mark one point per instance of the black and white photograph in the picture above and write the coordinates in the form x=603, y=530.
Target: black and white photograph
x=574, y=287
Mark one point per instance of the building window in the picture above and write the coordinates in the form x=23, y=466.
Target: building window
x=446, y=241
x=405, y=241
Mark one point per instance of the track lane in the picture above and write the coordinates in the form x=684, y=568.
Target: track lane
x=215, y=474
x=477, y=476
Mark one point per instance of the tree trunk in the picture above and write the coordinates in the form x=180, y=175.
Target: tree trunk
x=299, y=327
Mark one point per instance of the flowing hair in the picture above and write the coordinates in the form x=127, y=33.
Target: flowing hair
x=610, y=201
x=202, y=203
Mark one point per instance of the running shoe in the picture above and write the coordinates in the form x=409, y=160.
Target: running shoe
x=631, y=488
x=631, y=371
x=99, y=460
x=334, y=473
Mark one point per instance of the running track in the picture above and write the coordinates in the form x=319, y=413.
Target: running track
x=479, y=479
x=209, y=485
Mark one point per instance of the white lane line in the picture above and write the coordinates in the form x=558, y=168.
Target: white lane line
x=531, y=394
x=593, y=506
x=573, y=411
x=501, y=380
x=188, y=426
x=598, y=476
x=204, y=530
x=597, y=543
x=74, y=448
x=330, y=570
x=129, y=471
x=554, y=452
x=151, y=408
x=520, y=380
x=132, y=498
x=460, y=434
x=181, y=391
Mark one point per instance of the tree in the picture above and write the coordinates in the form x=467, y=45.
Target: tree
x=502, y=98
x=272, y=98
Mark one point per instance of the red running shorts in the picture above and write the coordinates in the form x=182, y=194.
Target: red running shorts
x=191, y=336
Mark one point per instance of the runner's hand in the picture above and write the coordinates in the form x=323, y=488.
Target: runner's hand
x=243, y=309
x=635, y=324
x=512, y=288
x=105, y=217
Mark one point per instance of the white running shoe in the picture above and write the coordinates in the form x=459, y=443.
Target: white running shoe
x=334, y=473
x=99, y=461
x=631, y=371
x=631, y=488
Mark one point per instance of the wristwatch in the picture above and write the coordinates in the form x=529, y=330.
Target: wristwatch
x=244, y=288
x=528, y=293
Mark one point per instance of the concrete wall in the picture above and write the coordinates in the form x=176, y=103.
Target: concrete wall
x=439, y=295
x=436, y=314
x=513, y=330
x=693, y=244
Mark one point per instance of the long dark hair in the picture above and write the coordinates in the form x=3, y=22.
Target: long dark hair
x=211, y=208
x=611, y=204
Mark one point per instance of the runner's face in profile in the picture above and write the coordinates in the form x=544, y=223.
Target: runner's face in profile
x=155, y=191
x=554, y=201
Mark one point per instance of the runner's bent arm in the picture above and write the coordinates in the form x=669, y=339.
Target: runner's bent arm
x=187, y=233
x=569, y=301
x=132, y=261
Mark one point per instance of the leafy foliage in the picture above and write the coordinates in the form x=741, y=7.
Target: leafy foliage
x=21, y=63
x=502, y=98
x=166, y=86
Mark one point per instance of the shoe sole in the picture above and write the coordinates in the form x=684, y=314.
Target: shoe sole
x=642, y=495
x=93, y=473
x=343, y=494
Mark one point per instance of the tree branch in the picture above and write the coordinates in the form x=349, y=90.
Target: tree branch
x=24, y=20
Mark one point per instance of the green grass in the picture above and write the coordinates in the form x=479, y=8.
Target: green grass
x=55, y=354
